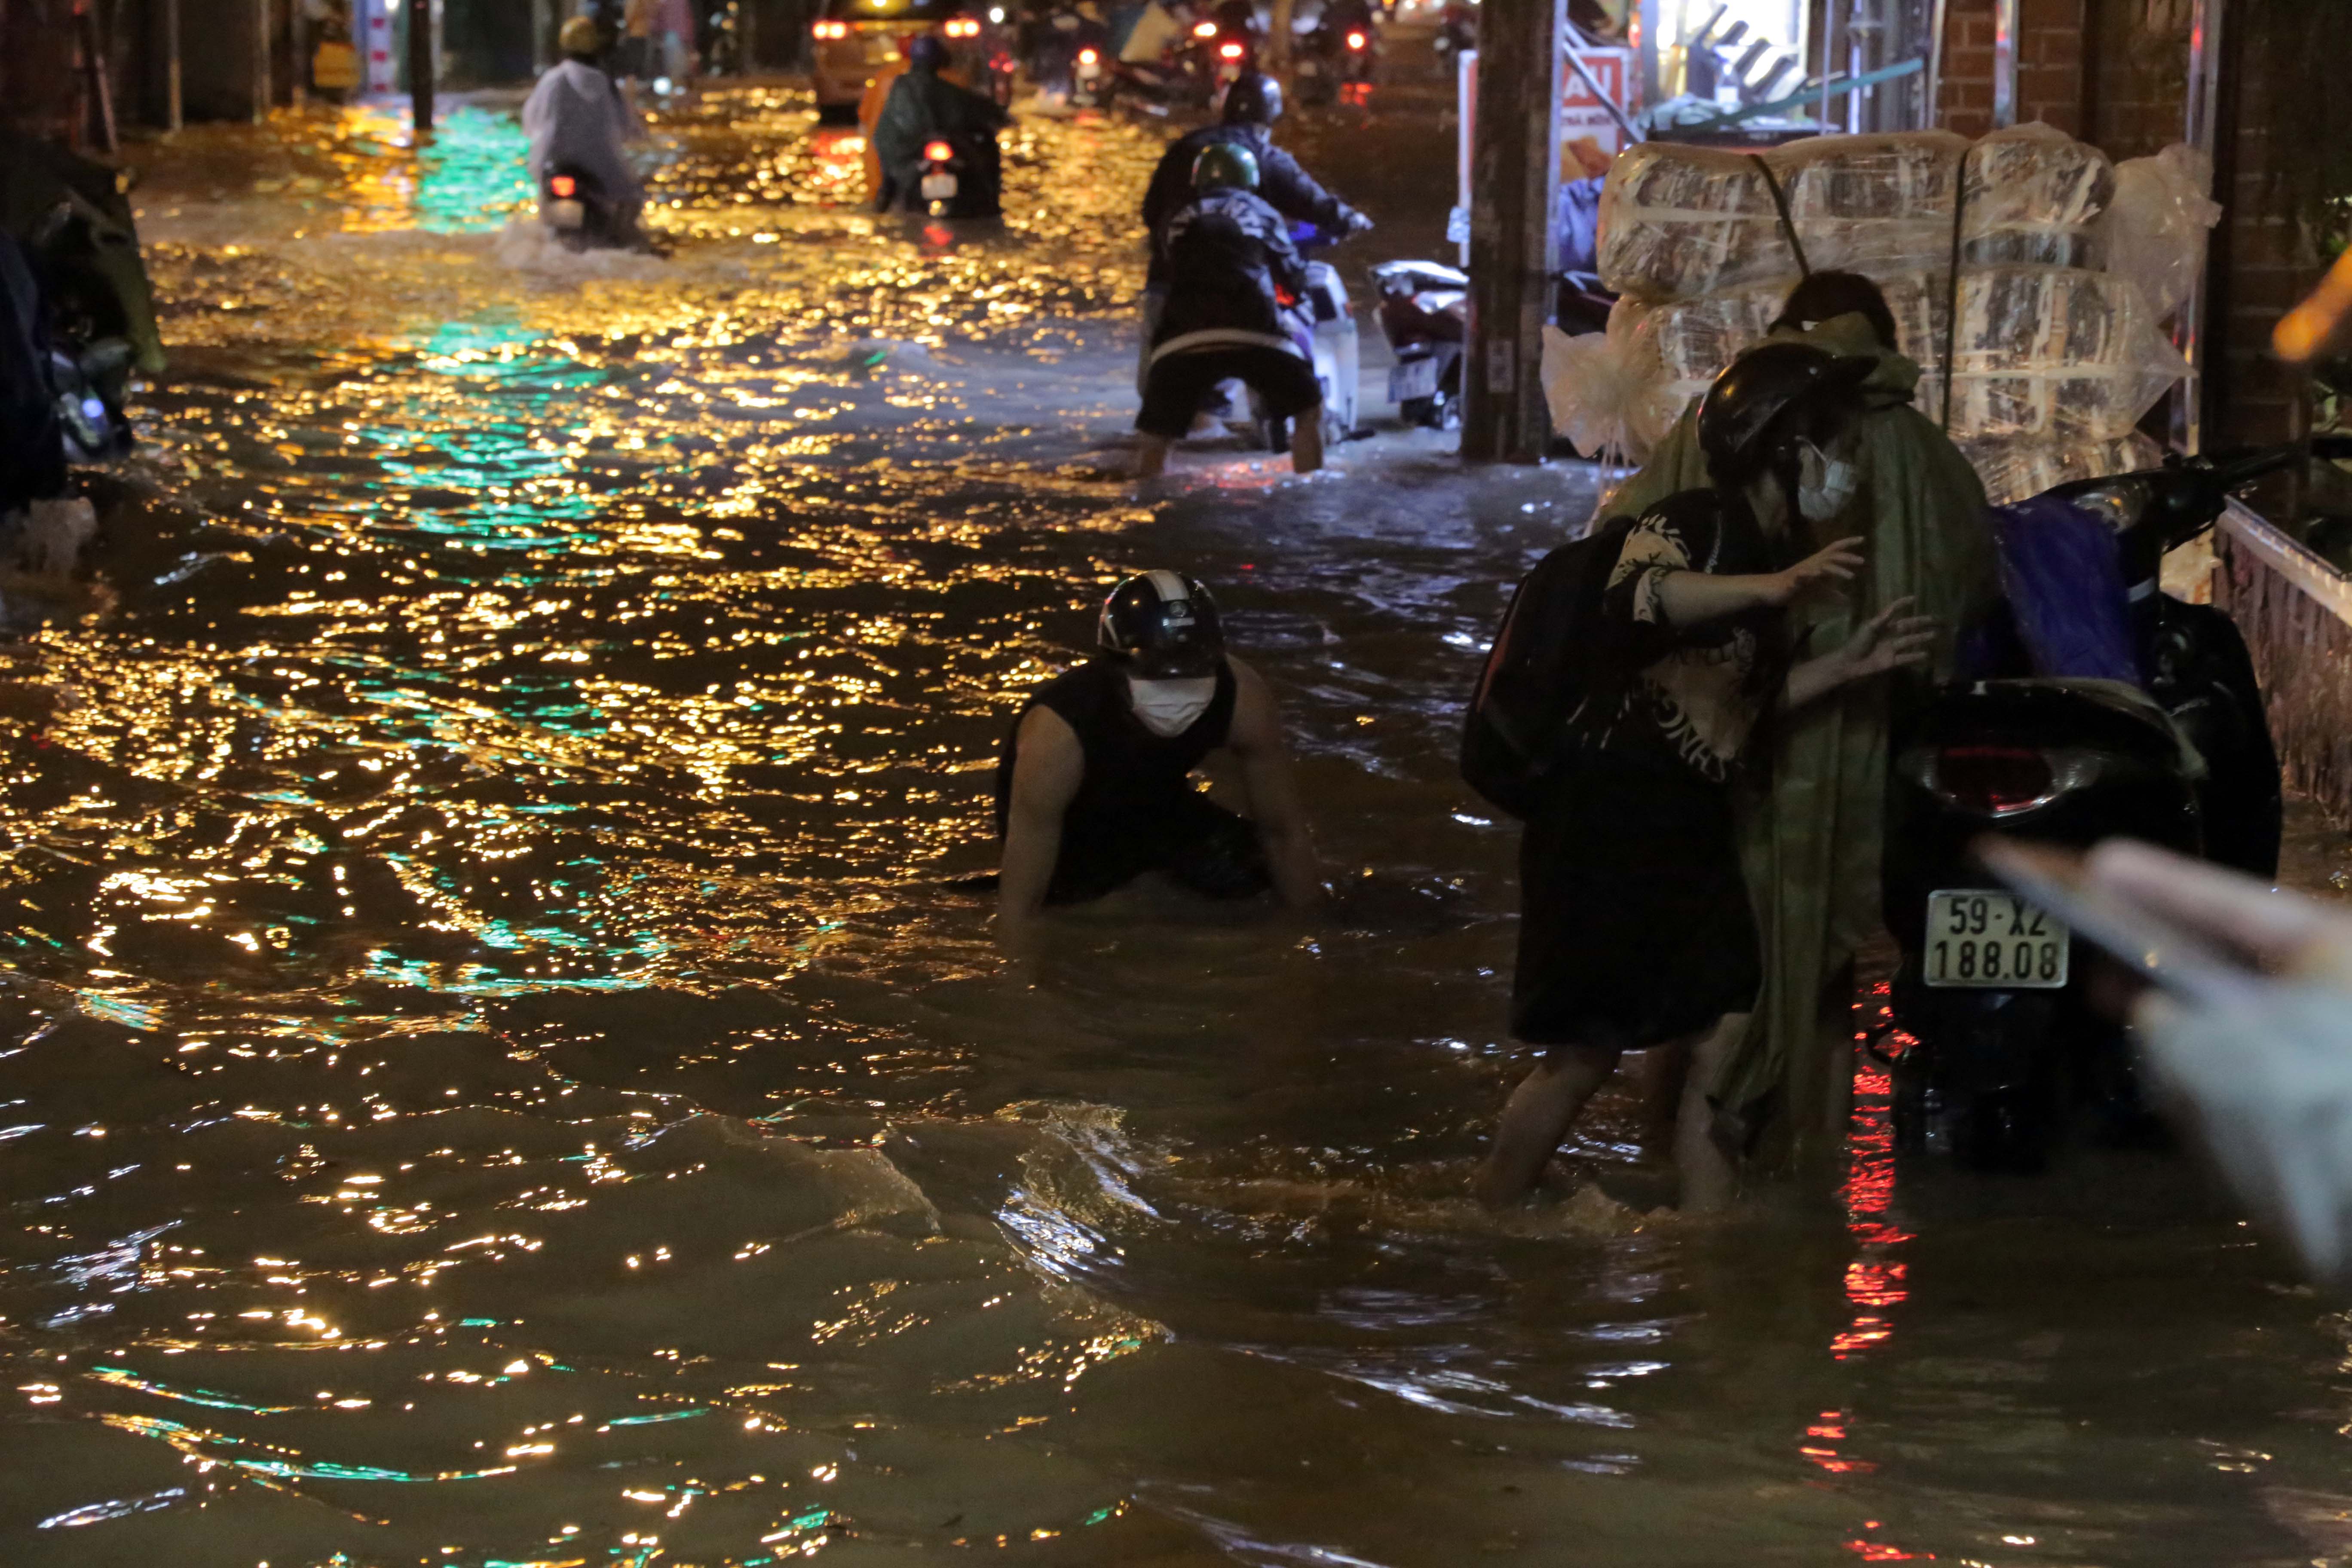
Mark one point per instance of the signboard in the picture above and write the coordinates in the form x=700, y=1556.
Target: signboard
x=1587, y=132
x=1583, y=116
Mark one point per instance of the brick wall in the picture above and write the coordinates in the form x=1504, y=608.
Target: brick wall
x=2050, y=65
x=2104, y=70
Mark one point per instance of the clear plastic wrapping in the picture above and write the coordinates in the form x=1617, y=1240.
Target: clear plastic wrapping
x=1605, y=392
x=1678, y=221
x=2049, y=353
x=2154, y=230
x=2013, y=470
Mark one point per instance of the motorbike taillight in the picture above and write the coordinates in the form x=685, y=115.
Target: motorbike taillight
x=1994, y=780
x=938, y=152
x=564, y=187
x=1229, y=51
x=1355, y=41
x=1088, y=57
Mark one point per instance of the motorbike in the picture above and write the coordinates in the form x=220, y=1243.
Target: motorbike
x=1222, y=51
x=953, y=183
x=2007, y=1054
x=1090, y=78
x=574, y=204
x=1457, y=34
x=1423, y=312
x=1323, y=320
x=1334, y=59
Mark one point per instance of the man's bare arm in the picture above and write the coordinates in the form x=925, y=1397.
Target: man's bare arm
x=1255, y=738
x=1047, y=769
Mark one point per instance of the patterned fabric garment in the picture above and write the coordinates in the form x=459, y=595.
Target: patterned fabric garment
x=1699, y=693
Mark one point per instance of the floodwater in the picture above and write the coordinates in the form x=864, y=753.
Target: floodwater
x=493, y=1070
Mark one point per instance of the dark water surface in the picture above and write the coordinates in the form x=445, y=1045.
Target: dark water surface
x=492, y=1073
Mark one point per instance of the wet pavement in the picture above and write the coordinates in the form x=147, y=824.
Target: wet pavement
x=495, y=1072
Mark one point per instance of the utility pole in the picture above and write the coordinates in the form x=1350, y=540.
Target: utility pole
x=420, y=68
x=1514, y=226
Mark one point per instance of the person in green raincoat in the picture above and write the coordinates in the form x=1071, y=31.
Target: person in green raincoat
x=1810, y=835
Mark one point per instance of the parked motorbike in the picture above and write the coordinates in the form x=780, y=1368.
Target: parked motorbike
x=1423, y=312
x=574, y=204
x=1423, y=315
x=2009, y=1054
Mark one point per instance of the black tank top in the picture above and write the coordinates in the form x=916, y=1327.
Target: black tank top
x=1131, y=773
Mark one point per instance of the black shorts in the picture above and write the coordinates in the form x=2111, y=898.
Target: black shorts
x=1178, y=384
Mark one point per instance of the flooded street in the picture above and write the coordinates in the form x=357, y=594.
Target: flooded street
x=495, y=1070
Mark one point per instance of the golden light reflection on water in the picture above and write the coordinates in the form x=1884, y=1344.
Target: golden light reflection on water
x=492, y=1066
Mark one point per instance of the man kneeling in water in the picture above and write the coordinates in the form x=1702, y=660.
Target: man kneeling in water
x=1094, y=786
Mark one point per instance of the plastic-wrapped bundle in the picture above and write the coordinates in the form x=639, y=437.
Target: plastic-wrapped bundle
x=2052, y=353
x=2154, y=230
x=2035, y=196
x=1679, y=221
x=2044, y=353
x=2012, y=471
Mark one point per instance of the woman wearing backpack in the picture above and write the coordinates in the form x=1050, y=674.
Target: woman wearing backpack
x=1636, y=929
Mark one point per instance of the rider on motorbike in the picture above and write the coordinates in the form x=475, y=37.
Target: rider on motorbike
x=576, y=119
x=924, y=106
x=1251, y=106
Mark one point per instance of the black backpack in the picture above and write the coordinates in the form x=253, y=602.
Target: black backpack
x=1550, y=655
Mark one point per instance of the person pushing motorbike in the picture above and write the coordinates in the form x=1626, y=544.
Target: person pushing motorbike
x=1229, y=263
x=924, y=106
x=1092, y=785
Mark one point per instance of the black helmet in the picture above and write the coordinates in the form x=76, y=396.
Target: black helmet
x=1163, y=622
x=928, y=52
x=1770, y=397
x=1255, y=98
x=1224, y=166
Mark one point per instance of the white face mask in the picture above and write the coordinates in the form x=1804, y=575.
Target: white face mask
x=1825, y=484
x=1170, y=706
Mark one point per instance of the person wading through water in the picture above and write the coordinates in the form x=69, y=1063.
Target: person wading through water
x=1811, y=843
x=1094, y=785
x=1636, y=930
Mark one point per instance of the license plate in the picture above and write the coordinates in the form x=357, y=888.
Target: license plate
x=939, y=187
x=1412, y=378
x=1988, y=941
x=566, y=214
